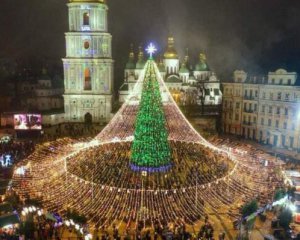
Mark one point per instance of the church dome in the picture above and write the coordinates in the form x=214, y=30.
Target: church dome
x=170, y=53
x=130, y=64
x=183, y=68
x=173, y=79
x=141, y=61
x=202, y=65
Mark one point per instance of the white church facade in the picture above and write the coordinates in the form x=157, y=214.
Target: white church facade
x=196, y=85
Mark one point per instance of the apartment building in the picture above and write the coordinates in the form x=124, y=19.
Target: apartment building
x=265, y=109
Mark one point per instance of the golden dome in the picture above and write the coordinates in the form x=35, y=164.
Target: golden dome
x=170, y=52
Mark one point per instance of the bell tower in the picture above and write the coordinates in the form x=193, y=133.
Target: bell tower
x=88, y=65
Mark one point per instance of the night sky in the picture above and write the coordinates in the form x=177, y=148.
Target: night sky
x=255, y=35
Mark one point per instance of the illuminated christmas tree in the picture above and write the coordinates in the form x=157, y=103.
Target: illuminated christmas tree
x=150, y=150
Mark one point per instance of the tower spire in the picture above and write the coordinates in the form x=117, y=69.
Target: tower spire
x=186, y=58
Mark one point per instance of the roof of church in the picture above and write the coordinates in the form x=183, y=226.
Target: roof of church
x=170, y=53
x=202, y=65
x=140, y=64
x=130, y=65
x=173, y=79
x=184, y=69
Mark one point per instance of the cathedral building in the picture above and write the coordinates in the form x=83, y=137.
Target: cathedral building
x=88, y=65
x=188, y=85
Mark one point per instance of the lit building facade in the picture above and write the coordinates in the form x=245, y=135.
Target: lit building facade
x=188, y=84
x=88, y=65
x=265, y=109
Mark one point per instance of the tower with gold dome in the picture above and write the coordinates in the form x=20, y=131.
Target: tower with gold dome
x=88, y=65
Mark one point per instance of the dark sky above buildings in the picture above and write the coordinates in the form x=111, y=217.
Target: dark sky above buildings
x=256, y=35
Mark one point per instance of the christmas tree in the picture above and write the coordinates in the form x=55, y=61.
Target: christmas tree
x=150, y=150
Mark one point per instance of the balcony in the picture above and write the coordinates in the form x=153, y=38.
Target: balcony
x=249, y=110
x=250, y=97
x=249, y=123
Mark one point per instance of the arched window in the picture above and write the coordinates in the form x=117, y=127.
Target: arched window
x=86, y=19
x=87, y=80
x=86, y=45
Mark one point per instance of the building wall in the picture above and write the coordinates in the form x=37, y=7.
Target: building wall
x=88, y=66
x=266, y=111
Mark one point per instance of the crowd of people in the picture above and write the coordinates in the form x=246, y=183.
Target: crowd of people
x=18, y=150
x=99, y=185
x=75, y=130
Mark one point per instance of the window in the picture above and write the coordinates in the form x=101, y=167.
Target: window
x=270, y=109
x=284, y=125
x=86, y=45
x=280, y=81
x=263, y=109
x=279, y=96
x=273, y=81
x=87, y=80
x=269, y=122
x=271, y=96
x=255, y=107
x=262, y=121
x=256, y=93
x=289, y=82
x=277, y=124
x=245, y=106
x=236, y=117
x=286, y=111
x=86, y=19
x=254, y=120
x=225, y=104
x=237, y=105
x=278, y=110
x=264, y=95
x=287, y=96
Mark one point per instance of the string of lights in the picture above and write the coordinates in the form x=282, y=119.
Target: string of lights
x=94, y=176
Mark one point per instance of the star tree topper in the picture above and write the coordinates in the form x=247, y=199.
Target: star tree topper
x=151, y=49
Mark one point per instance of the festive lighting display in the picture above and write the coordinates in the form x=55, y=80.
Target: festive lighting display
x=95, y=177
x=150, y=149
x=151, y=49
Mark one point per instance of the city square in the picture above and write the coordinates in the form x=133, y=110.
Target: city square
x=172, y=152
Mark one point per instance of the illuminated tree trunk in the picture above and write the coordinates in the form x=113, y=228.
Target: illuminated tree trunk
x=150, y=150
